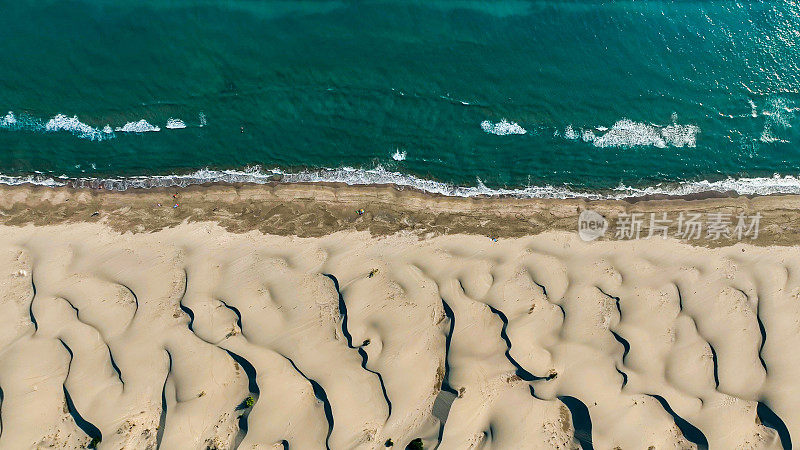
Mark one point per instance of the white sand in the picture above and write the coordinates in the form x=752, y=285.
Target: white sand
x=120, y=322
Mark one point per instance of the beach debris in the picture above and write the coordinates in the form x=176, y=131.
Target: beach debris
x=175, y=205
x=202, y=393
x=365, y=343
x=388, y=443
x=96, y=213
x=493, y=238
x=360, y=212
x=372, y=273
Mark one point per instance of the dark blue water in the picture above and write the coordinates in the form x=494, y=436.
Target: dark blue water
x=549, y=97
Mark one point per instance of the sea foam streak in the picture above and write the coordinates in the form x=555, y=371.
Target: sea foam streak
x=380, y=176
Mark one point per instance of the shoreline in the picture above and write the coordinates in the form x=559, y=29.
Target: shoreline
x=321, y=208
x=774, y=184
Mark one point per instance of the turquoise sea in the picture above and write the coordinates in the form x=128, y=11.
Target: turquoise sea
x=536, y=98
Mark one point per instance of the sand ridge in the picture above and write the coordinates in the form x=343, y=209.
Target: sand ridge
x=196, y=337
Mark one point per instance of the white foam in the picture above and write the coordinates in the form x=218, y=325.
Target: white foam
x=627, y=133
x=202, y=118
x=37, y=180
x=398, y=155
x=570, y=133
x=767, y=137
x=777, y=115
x=680, y=135
x=753, y=108
x=13, y=121
x=57, y=123
x=174, y=124
x=141, y=126
x=776, y=184
x=502, y=128
x=62, y=122
x=9, y=120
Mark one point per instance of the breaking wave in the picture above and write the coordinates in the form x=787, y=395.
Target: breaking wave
x=71, y=124
x=82, y=130
x=141, y=126
x=59, y=122
x=627, y=133
x=502, y=128
x=174, y=124
x=381, y=176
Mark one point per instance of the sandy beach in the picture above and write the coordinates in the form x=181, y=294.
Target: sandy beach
x=327, y=316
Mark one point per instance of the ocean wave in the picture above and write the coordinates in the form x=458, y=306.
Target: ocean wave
x=61, y=122
x=570, y=133
x=380, y=176
x=753, y=108
x=9, y=120
x=502, y=128
x=141, y=126
x=12, y=121
x=174, y=124
x=399, y=155
x=627, y=133
x=778, y=114
x=82, y=130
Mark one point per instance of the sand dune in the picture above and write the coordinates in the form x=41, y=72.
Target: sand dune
x=195, y=337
